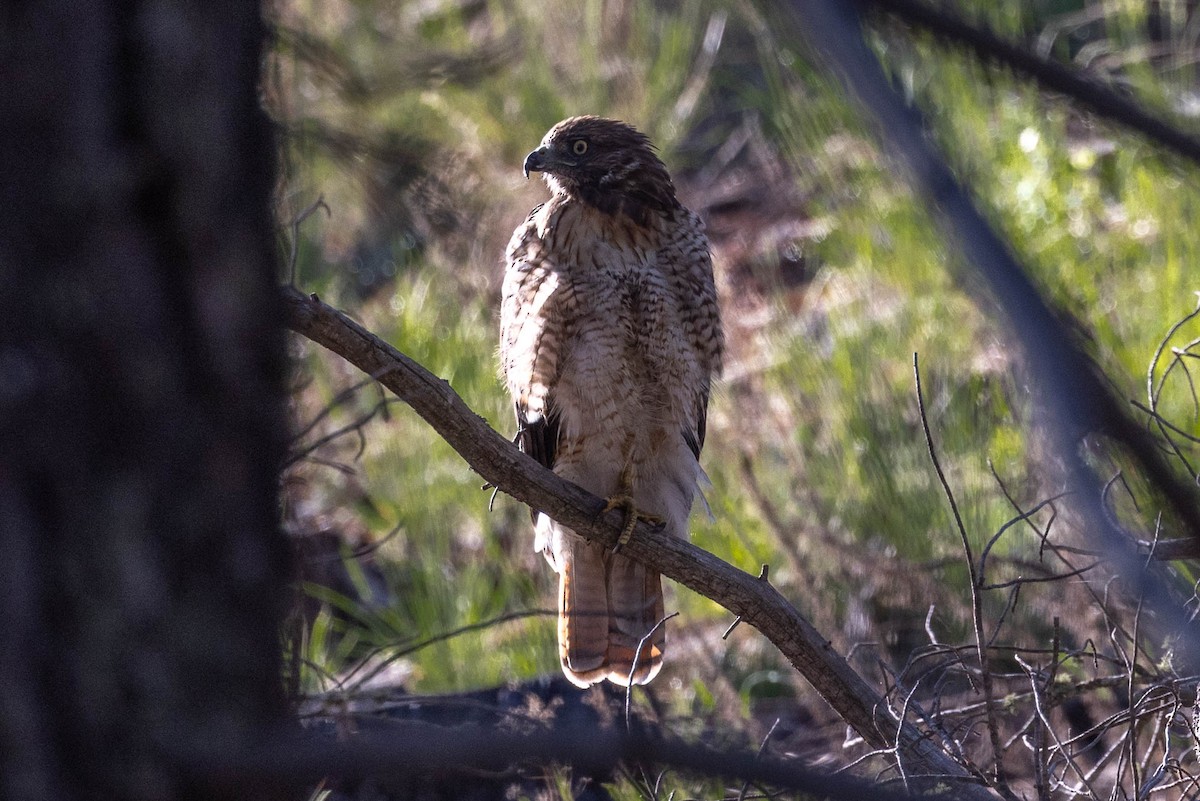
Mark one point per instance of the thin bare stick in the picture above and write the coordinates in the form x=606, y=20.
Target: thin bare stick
x=637, y=656
x=1151, y=394
x=983, y=556
x=1001, y=780
x=1166, y=424
x=1041, y=710
x=339, y=399
x=319, y=203
x=428, y=641
x=353, y=427
x=761, y=749
x=1131, y=688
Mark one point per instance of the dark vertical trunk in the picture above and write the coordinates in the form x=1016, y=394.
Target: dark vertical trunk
x=141, y=377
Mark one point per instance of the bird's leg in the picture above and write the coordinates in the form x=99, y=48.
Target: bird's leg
x=623, y=499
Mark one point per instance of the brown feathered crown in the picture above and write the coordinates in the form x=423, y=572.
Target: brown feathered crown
x=607, y=163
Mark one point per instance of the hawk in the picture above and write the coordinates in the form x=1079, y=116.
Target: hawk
x=610, y=340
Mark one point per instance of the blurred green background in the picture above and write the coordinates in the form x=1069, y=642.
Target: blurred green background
x=411, y=120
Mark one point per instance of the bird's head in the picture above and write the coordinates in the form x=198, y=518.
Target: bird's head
x=607, y=163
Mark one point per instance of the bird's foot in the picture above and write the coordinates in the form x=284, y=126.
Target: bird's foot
x=632, y=515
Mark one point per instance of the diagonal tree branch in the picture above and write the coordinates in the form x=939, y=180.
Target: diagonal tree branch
x=1051, y=75
x=756, y=601
x=1072, y=395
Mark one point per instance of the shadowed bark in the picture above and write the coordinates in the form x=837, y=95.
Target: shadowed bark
x=141, y=386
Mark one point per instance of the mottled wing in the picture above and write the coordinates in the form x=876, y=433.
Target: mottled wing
x=531, y=332
x=695, y=289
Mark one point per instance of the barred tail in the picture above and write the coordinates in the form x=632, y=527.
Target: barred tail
x=608, y=604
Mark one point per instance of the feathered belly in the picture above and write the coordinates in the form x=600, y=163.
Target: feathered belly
x=618, y=410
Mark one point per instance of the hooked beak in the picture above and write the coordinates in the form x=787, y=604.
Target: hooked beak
x=535, y=161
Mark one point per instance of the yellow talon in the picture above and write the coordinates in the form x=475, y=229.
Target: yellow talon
x=632, y=515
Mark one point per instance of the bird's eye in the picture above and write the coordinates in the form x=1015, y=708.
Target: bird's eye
x=580, y=147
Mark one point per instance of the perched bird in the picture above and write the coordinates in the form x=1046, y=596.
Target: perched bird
x=610, y=339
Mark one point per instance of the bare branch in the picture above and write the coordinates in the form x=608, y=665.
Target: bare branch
x=413, y=749
x=374, y=670
x=1034, y=683
x=1169, y=550
x=502, y=465
x=319, y=203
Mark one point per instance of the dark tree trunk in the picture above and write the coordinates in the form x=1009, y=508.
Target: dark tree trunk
x=141, y=385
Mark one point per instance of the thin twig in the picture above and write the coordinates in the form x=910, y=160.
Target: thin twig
x=1000, y=777
x=637, y=656
x=1131, y=688
x=1037, y=701
x=1151, y=394
x=319, y=203
x=428, y=641
x=761, y=749
x=1165, y=424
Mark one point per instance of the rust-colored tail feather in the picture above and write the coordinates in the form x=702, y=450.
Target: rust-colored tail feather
x=607, y=604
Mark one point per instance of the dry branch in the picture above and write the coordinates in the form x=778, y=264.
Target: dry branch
x=408, y=749
x=755, y=601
